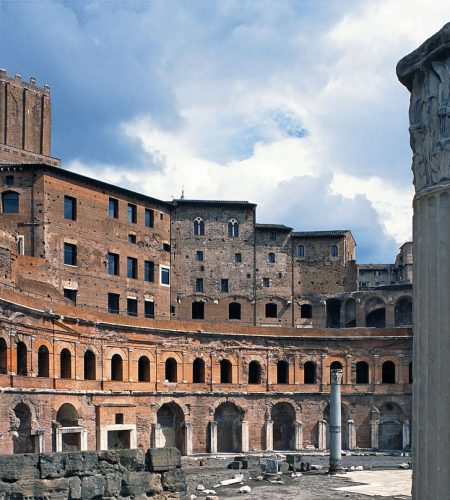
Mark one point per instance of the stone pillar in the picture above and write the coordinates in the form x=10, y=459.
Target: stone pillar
x=322, y=435
x=39, y=441
x=188, y=442
x=351, y=432
x=268, y=428
x=335, y=421
x=406, y=435
x=374, y=427
x=244, y=436
x=157, y=436
x=298, y=437
x=426, y=74
x=213, y=437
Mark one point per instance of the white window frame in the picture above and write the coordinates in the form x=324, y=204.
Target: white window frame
x=160, y=275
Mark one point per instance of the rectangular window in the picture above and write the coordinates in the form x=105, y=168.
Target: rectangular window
x=149, y=217
x=132, y=213
x=273, y=236
x=166, y=247
x=237, y=257
x=266, y=282
x=149, y=309
x=70, y=254
x=70, y=208
x=149, y=271
x=224, y=285
x=132, y=306
x=21, y=244
x=113, y=208
x=131, y=238
x=131, y=267
x=113, y=303
x=71, y=295
x=165, y=275
x=199, y=284
x=113, y=264
x=199, y=255
x=10, y=180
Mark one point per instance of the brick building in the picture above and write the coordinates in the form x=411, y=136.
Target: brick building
x=130, y=321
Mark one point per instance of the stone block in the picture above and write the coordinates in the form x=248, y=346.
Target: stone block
x=162, y=459
x=14, y=467
x=82, y=463
x=113, y=484
x=92, y=486
x=74, y=487
x=56, y=489
x=283, y=467
x=140, y=483
x=133, y=459
x=236, y=465
x=174, y=481
x=52, y=465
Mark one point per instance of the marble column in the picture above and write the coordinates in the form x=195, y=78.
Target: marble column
x=244, y=436
x=322, y=434
x=157, y=435
x=188, y=441
x=351, y=432
x=213, y=437
x=426, y=74
x=298, y=435
x=374, y=433
x=406, y=442
x=268, y=428
x=335, y=422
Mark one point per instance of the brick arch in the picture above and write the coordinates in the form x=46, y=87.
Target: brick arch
x=226, y=399
x=137, y=353
x=228, y=357
x=295, y=404
x=115, y=350
x=43, y=342
x=64, y=345
x=370, y=361
x=185, y=408
x=83, y=348
x=374, y=301
x=72, y=401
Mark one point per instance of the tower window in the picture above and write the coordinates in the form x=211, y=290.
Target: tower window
x=131, y=267
x=70, y=254
x=224, y=285
x=199, y=227
x=10, y=202
x=273, y=236
x=149, y=309
x=132, y=213
x=113, y=264
x=199, y=285
x=334, y=251
x=113, y=303
x=237, y=257
x=70, y=208
x=149, y=217
x=199, y=255
x=165, y=276
x=301, y=251
x=113, y=208
x=271, y=258
x=266, y=282
x=233, y=228
x=149, y=271
x=132, y=306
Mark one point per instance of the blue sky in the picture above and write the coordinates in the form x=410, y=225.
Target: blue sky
x=293, y=105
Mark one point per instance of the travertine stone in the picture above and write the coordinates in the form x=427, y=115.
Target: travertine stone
x=335, y=421
x=426, y=74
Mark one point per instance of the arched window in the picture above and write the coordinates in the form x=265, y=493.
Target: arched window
x=388, y=373
x=199, y=227
x=116, y=367
x=271, y=310
x=334, y=251
x=3, y=357
x=362, y=372
x=22, y=355
x=234, y=310
x=65, y=362
x=43, y=362
x=89, y=366
x=143, y=369
x=301, y=251
x=10, y=202
x=198, y=371
x=271, y=258
x=171, y=370
x=226, y=369
x=233, y=228
x=309, y=373
x=254, y=372
x=282, y=372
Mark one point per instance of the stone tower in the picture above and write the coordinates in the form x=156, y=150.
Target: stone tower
x=426, y=74
x=25, y=121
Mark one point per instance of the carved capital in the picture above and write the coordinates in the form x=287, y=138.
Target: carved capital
x=336, y=377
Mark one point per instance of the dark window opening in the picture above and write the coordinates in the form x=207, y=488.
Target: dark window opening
x=198, y=310
x=333, y=313
x=273, y=236
x=10, y=202
x=113, y=208
x=22, y=355
x=362, y=372
x=71, y=294
x=149, y=270
x=301, y=251
x=233, y=228
x=113, y=264
x=70, y=208
x=198, y=371
x=306, y=311
x=376, y=318
x=199, y=255
x=132, y=213
x=282, y=372
x=388, y=373
x=410, y=373
x=118, y=419
x=254, y=372
x=199, y=285
x=226, y=371
x=171, y=370
x=65, y=364
x=43, y=362
x=271, y=310
x=143, y=369
x=89, y=366
x=70, y=254
x=132, y=306
x=237, y=257
x=113, y=303
x=265, y=282
x=149, y=217
x=9, y=180
x=271, y=258
x=149, y=309
x=224, y=285
x=166, y=247
x=116, y=368
x=131, y=238
x=334, y=251
x=309, y=373
x=131, y=267
x=3, y=357
x=234, y=310
x=165, y=276
x=199, y=227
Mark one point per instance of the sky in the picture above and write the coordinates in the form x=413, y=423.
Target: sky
x=293, y=105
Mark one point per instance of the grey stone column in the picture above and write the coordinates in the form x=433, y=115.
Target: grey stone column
x=213, y=437
x=426, y=74
x=244, y=436
x=188, y=438
x=335, y=421
x=322, y=435
x=268, y=428
x=351, y=432
x=298, y=435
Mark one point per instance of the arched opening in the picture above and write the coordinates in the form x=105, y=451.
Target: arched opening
x=229, y=427
x=171, y=419
x=143, y=369
x=198, y=310
x=233, y=228
x=116, y=367
x=171, y=370
x=410, y=373
x=199, y=227
x=388, y=373
x=271, y=258
x=234, y=310
x=390, y=433
x=67, y=416
x=350, y=313
x=226, y=372
x=403, y=312
x=43, y=362
x=3, y=357
x=306, y=311
x=283, y=417
x=22, y=355
x=309, y=372
x=198, y=371
x=362, y=372
x=254, y=372
x=271, y=310
x=375, y=313
x=89, y=365
x=10, y=202
x=65, y=360
x=282, y=372
x=22, y=441
x=333, y=313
